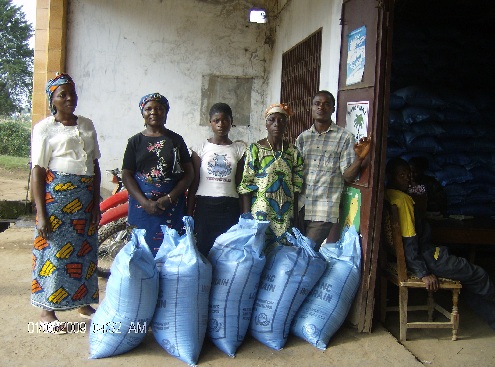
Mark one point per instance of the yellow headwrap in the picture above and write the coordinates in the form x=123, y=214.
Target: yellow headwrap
x=280, y=108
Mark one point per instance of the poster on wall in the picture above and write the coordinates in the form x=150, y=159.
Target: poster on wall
x=357, y=118
x=351, y=208
x=356, y=43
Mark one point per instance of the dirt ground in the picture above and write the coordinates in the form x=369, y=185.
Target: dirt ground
x=21, y=345
x=13, y=184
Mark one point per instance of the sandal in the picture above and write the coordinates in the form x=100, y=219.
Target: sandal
x=84, y=316
x=53, y=327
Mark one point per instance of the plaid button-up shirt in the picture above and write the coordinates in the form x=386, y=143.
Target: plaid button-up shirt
x=326, y=157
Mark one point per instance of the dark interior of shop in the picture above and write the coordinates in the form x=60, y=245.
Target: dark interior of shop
x=442, y=108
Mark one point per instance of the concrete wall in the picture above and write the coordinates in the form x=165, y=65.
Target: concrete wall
x=119, y=50
x=297, y=19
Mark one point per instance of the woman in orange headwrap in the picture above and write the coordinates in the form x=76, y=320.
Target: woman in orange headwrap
x=273, y=177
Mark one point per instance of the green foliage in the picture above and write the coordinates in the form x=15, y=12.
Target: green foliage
x=17, y=164
x=16, y=59
x=15, y=137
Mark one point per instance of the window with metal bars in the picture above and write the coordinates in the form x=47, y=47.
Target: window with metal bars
x=300, y=81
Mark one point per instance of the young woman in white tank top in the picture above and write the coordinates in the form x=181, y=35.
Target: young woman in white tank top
x=218, y=162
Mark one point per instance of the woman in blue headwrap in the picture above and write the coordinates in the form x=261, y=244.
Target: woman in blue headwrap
x=150, y=173
x=66, y=191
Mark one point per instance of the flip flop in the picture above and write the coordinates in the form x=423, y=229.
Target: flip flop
x=84, y=316
x=53, y=327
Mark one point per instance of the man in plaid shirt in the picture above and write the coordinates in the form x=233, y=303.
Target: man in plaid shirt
x=331, y=156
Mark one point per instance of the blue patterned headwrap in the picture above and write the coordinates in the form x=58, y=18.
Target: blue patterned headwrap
x=153, y=97
x=53, y=84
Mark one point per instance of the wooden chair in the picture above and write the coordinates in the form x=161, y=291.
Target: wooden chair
x=393, y=269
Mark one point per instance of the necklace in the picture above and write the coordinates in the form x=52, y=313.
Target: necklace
x=273, y=150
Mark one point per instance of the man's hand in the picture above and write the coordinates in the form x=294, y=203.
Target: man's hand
x=362, y=147
x=431, y=282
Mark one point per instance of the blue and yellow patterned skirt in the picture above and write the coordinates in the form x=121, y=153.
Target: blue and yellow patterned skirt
x=64, y=265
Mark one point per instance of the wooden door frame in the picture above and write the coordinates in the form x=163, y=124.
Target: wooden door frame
x=372, y=177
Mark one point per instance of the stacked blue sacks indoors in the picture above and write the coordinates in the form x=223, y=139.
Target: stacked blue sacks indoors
x=289, y=275
x=181, y=315
x=122, y=319
x=237, y=259
x=328, y=304
x=452, y=128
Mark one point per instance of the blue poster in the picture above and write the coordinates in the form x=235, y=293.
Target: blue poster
x=356, y=45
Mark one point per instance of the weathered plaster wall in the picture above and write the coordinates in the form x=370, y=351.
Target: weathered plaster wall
x=297, y=19
x=119, y=50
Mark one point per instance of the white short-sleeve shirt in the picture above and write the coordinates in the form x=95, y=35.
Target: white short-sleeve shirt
x=68, y=149
x=218, y=168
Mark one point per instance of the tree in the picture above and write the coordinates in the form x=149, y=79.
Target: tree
x=16, y=59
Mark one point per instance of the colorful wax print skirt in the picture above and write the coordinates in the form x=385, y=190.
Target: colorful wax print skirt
x=64, y=265
x=153, y=189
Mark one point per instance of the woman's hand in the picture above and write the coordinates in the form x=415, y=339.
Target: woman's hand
x=362, y=147
x=43, y=226
x=164, y=202
x=95, y=215
x=149, y=206
x=246, y=203
x=38, y=179
x=152, y=207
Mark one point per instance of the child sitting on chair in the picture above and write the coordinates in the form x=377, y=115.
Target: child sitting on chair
x=428, y=262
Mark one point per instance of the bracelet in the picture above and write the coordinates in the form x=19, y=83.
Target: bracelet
x=170, y=198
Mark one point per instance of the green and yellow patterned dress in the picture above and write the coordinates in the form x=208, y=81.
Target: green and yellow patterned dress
x=272, y=177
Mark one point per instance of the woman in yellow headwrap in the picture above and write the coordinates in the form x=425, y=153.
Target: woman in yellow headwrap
x=273, y=177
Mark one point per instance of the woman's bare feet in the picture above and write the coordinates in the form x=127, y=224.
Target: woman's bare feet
x=50, y=324
x=48, y=316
